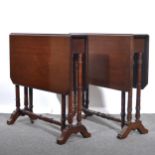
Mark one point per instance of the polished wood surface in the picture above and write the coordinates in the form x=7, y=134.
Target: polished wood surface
x=116, y=57
x=141, y=45
x=67, y=64
x=119, y=62
x=46, y=62
x=109, y=61
x=41, y=61
x=73, y=128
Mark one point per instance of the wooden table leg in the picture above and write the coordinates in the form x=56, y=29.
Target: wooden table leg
x=28, y=101
x=63, y=111
x=73, y=129
x=31, y=104
x=85, y=74
x=17, y=112
x=85, y=90
x=137, y=124
x=66, y=132
x=138, y=93
x=31, y=99
x=83, y=129
x=74, y=80
x=122, y=109
x=140, y=128
x=127, y=128
x=26, y=98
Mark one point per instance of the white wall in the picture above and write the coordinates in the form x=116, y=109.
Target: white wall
x=66, y=16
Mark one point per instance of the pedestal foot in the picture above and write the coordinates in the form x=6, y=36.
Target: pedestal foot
x=13, y=117
x=132, y=126
x=66, y=133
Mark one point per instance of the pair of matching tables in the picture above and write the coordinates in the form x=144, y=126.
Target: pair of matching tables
x=68, y=63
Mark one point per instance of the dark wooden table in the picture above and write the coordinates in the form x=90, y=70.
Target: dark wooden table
x=45, y=62
x=67, y=64
x=119, y=62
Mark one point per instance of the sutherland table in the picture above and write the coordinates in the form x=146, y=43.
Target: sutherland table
x=119, y=62
x=67, y=64
x=45, y=62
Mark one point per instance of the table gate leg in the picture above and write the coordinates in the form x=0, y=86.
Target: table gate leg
x=25, y=98
x=63, y=112
x=31, y=99
x=137, y=124
x=73, y=129
x=140, y=128
x=31, y=103
x=122, y=109
x=17, y=112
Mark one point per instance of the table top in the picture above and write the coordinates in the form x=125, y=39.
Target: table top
x=112, y=62
x=41, y=61
x=44, y=61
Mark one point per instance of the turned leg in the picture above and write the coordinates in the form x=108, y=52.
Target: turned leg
x=25, y=98
x=85, y=92
x=83, y=130
x=141, y=128
x=138, y=93
x=31, y=104
x=85, y=77
x=17, y=98
x=86, y=106
x=137, y=124
x=80, y=90
x=85, y=84
x=129, y=109
x=73, y=129
x=66, y=132
x=26, y=102
x=85, y=88
x=87, y=97
x=63, y=111
x=70, y=108
x=127, y=128
x=17, y=112
x=31, y=99
x=74, y=80
x=122, y=109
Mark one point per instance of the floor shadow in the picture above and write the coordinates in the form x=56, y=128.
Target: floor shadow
x=39, y=124
x=107, y=123
x=50, y=128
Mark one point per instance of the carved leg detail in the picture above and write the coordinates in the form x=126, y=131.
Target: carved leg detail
x=31, y=103
x=122, y=109
x=142, y=129
x=25, y=98
x=13, y=117
x=139, y=79
x=63, y=112
x=17, y=112
x=31, y=99
x=72, y=130
x=132, y=126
